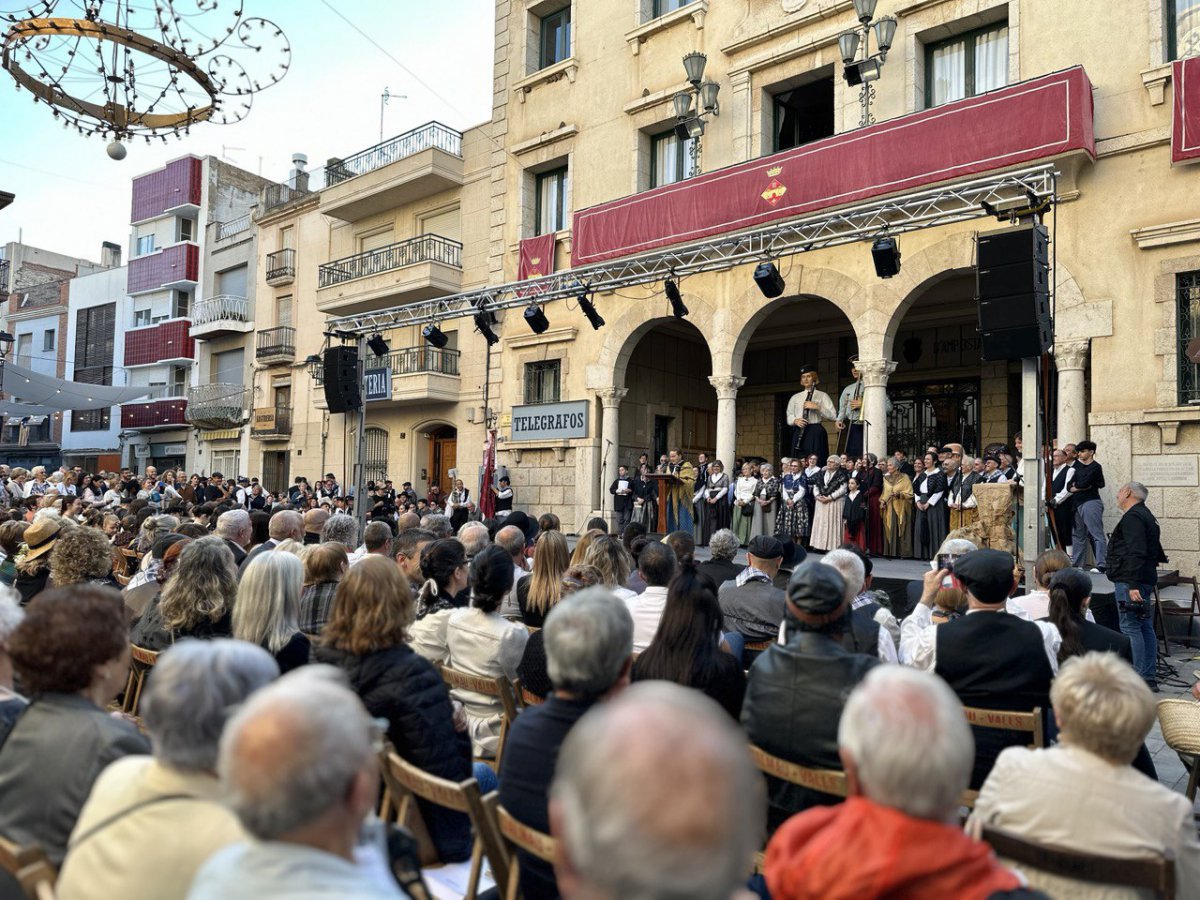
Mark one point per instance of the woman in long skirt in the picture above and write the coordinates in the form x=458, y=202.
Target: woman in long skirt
x=645, y=499
x=791, y=521
x=895, y=504
x=766, y=502
x=714, y=503
x=743, y=503
x=812, y=471
x=929, y=521
x=873, y=488
x=827, y=526
x=854, y=514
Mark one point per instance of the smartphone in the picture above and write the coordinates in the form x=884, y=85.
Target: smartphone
x=946, y=561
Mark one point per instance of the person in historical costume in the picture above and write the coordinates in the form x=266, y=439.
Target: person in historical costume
x=854, y=515
x=699, y=513
x=806, y=411
x=645, y=499
x=964, y=511
x=715, y=501
x=680, y=494
x=1064, y=508
x=459, y=504
x=872, y=486
x=743, y=503
x=827, y=526
x=766, y=502
x=896, y=504
x=929, y=520
x=791, y=521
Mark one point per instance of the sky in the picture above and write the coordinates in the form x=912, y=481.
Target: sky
x=70, y=196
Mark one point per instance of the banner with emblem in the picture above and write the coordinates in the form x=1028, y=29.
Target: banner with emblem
x=1185, y=121
x=537, y=259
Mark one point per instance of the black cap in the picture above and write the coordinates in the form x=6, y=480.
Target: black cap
x=521, y=519
x=765, y=547
x=816, y=589
x=793, y=555
x=986, y=574
x=406, y=484
x=806, y=369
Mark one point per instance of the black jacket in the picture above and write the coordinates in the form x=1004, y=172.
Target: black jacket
x=622, y=502
x=1134, y=551
x=794, y=698
x=398, y=685
x=718, y=571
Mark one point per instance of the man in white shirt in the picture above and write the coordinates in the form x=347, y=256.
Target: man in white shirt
x=657, y=567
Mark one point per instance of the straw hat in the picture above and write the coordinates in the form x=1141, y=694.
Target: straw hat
x=41, y=536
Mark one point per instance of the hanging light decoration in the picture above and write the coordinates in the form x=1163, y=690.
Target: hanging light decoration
x=121, y=69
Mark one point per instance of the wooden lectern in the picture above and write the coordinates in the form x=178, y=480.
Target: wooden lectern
x=664, y=482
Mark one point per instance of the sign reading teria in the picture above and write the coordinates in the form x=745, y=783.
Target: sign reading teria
x=550, y=421
x=378, y=384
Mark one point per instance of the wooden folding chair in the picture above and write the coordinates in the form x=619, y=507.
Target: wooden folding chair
x=132, y=560
x=827, y=781
x=500, y=688
x=141, y=661
x=513, y=837
x=30, y=868
x=406, y=782
x=1179, y=719
x=122, y=580
x=1191, y=611
x=1154, y=873
x=1005, y=720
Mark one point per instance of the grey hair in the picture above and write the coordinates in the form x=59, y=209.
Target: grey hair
x=322, y=738
x=267, y=611
x=11, y=614
x=474, y=537
x=438, y=524
x=511, y=539
x=767, y=468
x=634, y=828
x=231, y=524
x=955, y=547
x=589, y=638
x=342, y=530
x=910, y=742
x=1138, y=490
x=376, y=535
x=723, y=544
x=1103, y=706
x=196, y=686
x=850, y=567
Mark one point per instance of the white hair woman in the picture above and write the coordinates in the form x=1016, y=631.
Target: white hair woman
x=151, y=821
x=267, y=611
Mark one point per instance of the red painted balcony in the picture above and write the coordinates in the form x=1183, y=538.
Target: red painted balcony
x=151, y=414
x=166, y=342
x=1042, y=119
x=174, y=188
x=177, y=266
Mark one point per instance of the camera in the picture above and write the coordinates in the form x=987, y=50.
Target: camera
x=946, y=561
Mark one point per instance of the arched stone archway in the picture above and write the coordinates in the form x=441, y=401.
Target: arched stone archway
x=434, y=452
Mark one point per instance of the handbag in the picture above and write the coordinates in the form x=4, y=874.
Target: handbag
x=747, y=510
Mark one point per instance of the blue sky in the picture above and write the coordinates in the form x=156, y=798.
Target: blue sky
x=70, y=196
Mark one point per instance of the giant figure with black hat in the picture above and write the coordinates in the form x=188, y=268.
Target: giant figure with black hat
x=806, y=411
x=850, y=418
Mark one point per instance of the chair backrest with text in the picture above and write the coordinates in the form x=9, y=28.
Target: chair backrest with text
x=1005, y=720
x=515, y=836
x=827, y=781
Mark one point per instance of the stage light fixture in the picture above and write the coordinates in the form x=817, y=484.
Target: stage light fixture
x=885, y=253
x=536, y=319
x=768, y=279
x=677, y=307
x=378, y=345
x=435, y=336
x=589, y=310
x=483, y=324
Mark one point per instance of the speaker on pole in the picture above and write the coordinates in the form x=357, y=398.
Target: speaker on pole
x=1013, y=289
x=342, y=391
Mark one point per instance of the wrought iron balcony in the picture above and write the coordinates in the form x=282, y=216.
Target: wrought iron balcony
x=276, y=345
x=233, y=227
x=281, y=267
x=223, y=314
x=417, y=360
x=277, y=195
x=217, y=405
x=432, y=136
x=272, y=423
x=428, y=248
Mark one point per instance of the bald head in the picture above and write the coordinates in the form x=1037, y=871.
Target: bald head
x=314, y=520
x=408, y=521
x=629, y=826
x=512, y=539
x=286, y=524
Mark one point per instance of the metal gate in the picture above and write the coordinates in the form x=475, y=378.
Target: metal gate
x=375, y=461
x=931, y=415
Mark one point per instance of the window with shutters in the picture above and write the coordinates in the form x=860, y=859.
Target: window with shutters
x=95, y=332
x=542, y=381
x=283, y=311
x=375, y=460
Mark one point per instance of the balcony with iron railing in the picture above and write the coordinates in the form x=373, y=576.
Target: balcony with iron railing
x=234, y=227
x=222, y=315
x=404, y=169
x=281, y=267
x=420, y=268
x=276, y=346
x=420, y=374
x=217, y=405
x=272, y=423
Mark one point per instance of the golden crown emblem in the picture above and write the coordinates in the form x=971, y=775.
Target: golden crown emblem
x=537, y=261
x=774, y=171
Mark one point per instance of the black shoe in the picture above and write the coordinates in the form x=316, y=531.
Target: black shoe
x=1154, y=687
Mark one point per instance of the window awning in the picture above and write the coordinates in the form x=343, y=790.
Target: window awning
x=25, y=386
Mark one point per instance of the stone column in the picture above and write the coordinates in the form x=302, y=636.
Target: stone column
x=727, y=387
x=875, y=373
x=610, y=445
x=1070, y=358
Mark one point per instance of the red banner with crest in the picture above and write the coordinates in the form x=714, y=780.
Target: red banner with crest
x=1185, y=123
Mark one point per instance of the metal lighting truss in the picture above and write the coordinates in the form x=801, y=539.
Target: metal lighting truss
x=866, y=221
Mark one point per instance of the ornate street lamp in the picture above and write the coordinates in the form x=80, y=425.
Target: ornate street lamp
x=867, y=69
x=693, y=106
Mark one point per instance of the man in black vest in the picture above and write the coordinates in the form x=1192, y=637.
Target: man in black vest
x=1133, y=557
x=622, y=491
x=991, y=659
x=796, y=691
x=1064, y=504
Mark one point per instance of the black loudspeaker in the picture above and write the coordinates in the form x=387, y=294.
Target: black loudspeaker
x=769, y=281
x=1013, y=290
x=342, y=393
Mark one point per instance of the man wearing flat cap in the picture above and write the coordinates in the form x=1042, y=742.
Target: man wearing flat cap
x=795, y=691
x=989, y=657
x=751, y=604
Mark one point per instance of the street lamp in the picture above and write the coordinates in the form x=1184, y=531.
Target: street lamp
x=692, y=106
x=6, y=342
x=867, y=69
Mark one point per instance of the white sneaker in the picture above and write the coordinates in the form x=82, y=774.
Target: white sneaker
x=1094, y=570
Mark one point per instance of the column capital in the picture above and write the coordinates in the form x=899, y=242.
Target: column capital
x=875, y=372
x=1071, y=354
x=611, y=397
x=726, y=386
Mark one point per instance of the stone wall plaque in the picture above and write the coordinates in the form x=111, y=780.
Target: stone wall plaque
x=1166, y=471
